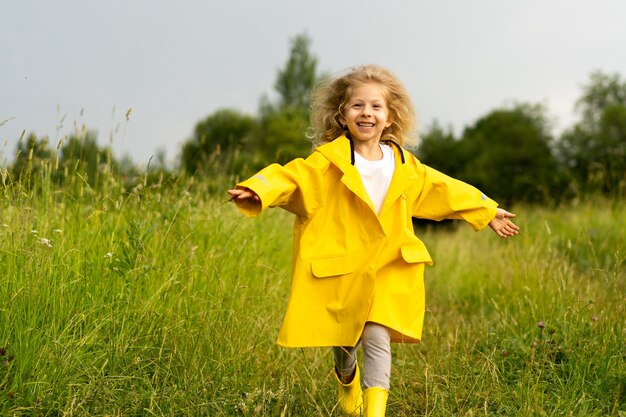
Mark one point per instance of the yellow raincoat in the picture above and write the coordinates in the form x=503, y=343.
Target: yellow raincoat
x=350, y=264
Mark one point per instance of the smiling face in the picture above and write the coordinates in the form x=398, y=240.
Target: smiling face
x=366, y=113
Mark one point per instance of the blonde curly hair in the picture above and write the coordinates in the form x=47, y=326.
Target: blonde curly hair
x=330, y=97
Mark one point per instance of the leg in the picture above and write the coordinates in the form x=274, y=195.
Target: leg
x=349, y=381
x=376, y=356
x=376, y=368
x=345, y=363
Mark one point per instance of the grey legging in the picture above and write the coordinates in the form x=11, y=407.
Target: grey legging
x=376, y=343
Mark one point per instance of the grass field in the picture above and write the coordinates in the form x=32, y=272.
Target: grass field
x=166, y=301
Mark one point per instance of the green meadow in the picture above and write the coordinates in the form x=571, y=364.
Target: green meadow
x=162, y=300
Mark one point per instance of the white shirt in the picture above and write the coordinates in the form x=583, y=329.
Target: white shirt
x=376, y=175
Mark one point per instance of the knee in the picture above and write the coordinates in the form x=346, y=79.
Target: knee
x=376, y=336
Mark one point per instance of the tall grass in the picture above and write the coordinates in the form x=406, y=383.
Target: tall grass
x=163, y=300
x=529, y=326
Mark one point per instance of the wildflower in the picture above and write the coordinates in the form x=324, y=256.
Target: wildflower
x=541, y=325
x=45, y=242
x=57, y=231
x=594, y=318
x=33, y=232
x=108, y=255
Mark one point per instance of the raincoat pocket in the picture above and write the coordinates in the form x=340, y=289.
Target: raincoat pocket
x=331, y=266
x=415, y=252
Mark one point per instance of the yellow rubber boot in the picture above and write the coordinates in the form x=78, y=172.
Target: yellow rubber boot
x=350, y=395
x=375, y=402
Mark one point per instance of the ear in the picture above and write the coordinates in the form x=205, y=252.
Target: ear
x=342, y=122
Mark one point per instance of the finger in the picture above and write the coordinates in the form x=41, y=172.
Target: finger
x=508, y=215
x=232, y=194
x=506, y=231
x=512, y=231
x=513, y=226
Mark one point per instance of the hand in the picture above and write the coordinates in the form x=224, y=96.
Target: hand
x=244, y=195
x=502, y=225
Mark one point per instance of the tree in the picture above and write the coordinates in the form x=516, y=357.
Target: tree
x=81, y=153
x=295, y=81
x=594, y=149
x=31, y=156
x=283, y=124
x=283, y=134
x=220, y=143
x=508, y=155
x=440, y=149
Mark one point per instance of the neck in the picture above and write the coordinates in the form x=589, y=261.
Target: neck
x=369, y=150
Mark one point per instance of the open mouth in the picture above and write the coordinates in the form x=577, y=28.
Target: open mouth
x=362, y=124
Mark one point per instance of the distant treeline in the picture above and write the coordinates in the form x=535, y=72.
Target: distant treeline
x=510, y=153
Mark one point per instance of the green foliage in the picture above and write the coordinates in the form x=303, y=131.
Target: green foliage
x=31, y=158
x=295, y=81
x=284, y=123
x=506, y=153
x=440, y=149
x=594, y=149
x=81, y=153
x=76, y=156
x=226, y=141
x=283, y=136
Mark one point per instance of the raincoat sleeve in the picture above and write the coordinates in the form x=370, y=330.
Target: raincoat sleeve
x=444, y=197
x=294, y=187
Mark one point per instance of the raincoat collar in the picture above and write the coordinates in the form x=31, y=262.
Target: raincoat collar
x=340, y=152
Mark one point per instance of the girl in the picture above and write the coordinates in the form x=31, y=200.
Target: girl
x=357, y=265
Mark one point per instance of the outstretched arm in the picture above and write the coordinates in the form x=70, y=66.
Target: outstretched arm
x=502, y=225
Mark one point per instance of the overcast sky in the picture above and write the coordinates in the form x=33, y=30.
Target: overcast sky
x=69, y=63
